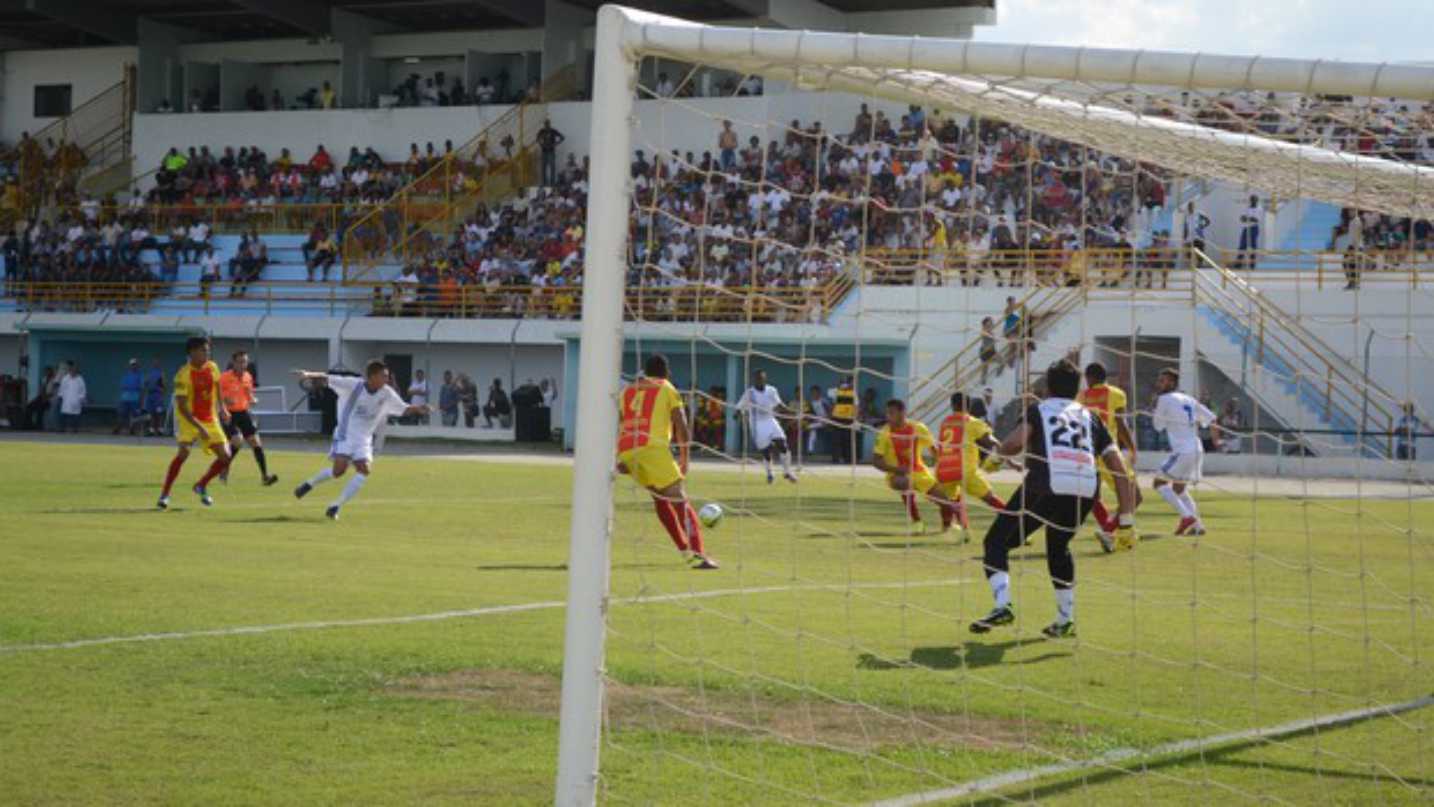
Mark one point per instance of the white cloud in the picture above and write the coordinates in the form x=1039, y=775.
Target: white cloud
x=1371, y=30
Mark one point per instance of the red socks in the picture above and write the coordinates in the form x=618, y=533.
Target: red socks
x=686, y=530
x=173, y=473
x=667, y=515
x=911, y=510
x=694, y=530
x=220, y=463
x=1102, y=516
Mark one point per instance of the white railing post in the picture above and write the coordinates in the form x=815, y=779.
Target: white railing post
x=599, y=375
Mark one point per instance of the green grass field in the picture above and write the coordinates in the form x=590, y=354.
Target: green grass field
x=827, y=660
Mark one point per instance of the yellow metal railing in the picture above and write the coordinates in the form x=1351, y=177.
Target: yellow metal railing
x=1277, y=340
x=1314, y=269
x=443, y=299
x=491, y=165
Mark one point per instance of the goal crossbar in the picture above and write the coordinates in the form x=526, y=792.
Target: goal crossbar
x=946, y=73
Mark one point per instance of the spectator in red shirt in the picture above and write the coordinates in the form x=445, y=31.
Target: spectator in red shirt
x=321, y=162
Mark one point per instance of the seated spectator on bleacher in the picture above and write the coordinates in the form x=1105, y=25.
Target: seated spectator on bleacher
x=196, y=239
x=321, y=161
x=169, y=263
x=209, y=270
x=322, y=256
x=247, y=264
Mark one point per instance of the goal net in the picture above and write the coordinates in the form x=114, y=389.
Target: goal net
x=873, y=218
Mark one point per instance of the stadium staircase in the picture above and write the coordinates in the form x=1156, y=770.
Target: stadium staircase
x=423, y=213
x=102, y=127
x=1289, y=370
x=1043, y=308
x=1303, y=384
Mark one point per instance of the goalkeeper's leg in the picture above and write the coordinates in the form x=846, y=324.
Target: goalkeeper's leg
x=1007, y=532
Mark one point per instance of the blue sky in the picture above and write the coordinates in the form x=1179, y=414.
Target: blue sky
x=1363, y=30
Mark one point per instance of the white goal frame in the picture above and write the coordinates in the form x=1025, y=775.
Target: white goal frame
x=838, y=60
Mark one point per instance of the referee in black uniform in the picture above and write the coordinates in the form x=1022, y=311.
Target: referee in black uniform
x=1060, y=440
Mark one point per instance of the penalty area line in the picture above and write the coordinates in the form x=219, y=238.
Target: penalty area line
x=441, y=616
x=1113, y=760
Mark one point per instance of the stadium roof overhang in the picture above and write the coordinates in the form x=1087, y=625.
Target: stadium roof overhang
x=79, y=23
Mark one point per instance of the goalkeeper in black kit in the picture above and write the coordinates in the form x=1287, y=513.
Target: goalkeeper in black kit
x=1061, y=440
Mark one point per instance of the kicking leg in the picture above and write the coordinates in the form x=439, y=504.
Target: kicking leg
x=686, y=529
x=667, y=514
x=341, y=464
x=361, y=471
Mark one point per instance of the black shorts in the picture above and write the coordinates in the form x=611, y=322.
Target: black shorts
x=241, y=423
x=1028, y=512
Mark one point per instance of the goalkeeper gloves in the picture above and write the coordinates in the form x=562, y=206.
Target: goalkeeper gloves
x=1125, y=535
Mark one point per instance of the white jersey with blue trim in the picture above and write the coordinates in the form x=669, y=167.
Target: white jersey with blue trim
x=361, y=412
x=1181, y=417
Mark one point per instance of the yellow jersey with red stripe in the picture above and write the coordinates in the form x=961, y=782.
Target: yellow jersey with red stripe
x=237, y=389
x=199, y=386
x=957, y=452
x=647, y=407
x=1107, y=402
x=904, y=447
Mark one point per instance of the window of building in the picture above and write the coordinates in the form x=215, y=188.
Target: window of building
x=52, y=100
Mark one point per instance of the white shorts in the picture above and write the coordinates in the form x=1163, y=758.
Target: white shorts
x=765, y=431
x=1182, y=467
x=358, y=449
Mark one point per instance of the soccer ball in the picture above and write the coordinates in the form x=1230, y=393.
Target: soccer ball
x=711, y=514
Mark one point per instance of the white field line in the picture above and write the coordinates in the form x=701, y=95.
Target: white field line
x=440, y=616
x=1113, y=760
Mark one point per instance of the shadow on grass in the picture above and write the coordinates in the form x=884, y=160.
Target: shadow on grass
x=1210, y=757
x=971, y=655
x=107, y=511
x=563, y=567
x=1318, y=772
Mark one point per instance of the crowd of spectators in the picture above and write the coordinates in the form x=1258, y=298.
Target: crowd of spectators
x=80, y=250
x=34, y=174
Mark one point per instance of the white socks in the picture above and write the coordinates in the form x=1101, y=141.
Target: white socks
x=351, y=489
x=1189, y=502
x=319, y=478
x=1065, y=604
x=1168, y=494
x=786, y=462
x=1000, y=588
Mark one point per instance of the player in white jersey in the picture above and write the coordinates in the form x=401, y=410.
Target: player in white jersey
x=760, y=404
x=364, y=406
x=1181, y=417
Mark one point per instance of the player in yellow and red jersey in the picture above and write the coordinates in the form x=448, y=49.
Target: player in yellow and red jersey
x=958, y=461
x=198, y=410
x=1108, y=402
x=653, y=419
x=901, y=446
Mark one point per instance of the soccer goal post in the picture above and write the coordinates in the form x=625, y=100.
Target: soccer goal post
x=1087, y=153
